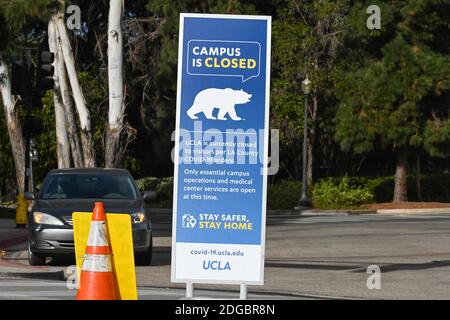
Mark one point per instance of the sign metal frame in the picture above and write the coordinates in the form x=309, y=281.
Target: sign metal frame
x=176, y=155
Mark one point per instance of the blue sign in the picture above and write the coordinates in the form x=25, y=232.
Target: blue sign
x=221, y=149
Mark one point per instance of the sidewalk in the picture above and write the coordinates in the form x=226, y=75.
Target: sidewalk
x=410, y=208
x=10, y=236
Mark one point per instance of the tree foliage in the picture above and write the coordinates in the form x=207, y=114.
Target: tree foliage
x=375, y=91
x=307, y=37
x=397, y=93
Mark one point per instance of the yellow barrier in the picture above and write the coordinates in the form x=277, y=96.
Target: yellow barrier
x=121, y=243
x=21, y=210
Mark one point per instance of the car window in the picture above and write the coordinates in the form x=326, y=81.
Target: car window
x=89, y=186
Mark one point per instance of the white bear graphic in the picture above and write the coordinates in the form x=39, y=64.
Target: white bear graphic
x=224, y=99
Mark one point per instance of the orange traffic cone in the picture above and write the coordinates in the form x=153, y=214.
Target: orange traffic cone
x=97, y=279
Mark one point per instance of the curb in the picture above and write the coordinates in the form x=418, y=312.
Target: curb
x=308, y=213
x=50, y=275
x=414, y=211
x=362, y=211
x=14, y=269
x=318, y=213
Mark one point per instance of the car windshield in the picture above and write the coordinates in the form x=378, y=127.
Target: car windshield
x=88, y=186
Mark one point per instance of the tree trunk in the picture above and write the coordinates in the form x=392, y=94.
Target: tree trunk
x=80, y=103
x=13, y=124
x=112, y=159
x=116, y=136
x=74, y=139
x=418, y=185
x=400, y=189
x=62, y=139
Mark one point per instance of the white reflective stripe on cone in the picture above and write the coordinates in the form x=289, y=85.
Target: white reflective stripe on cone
x=97, y=234
x=97, y=263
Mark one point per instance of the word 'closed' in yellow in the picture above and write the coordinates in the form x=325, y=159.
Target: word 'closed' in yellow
x=233, y=63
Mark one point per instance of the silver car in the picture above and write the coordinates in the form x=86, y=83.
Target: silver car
x=66, y=191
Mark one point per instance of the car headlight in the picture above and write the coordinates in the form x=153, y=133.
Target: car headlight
x=138, y=217
x=44, y=218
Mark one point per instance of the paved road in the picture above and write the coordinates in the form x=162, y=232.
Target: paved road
x=327, y=256
x=330, y=255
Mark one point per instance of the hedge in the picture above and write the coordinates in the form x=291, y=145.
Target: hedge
x=351, y=192
x=162, y=186
x=283, y=195
x=332, y=192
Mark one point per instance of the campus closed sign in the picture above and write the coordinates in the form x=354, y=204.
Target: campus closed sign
x=221, y=149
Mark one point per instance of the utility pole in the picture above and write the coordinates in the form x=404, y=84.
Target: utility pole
x=33, y=157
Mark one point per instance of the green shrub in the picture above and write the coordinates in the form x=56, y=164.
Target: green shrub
x=162, y=186
x=329, y=194
x=284, y=195
x=333, y=192
x=148, y=183
x=164, y=192
x=434, y=187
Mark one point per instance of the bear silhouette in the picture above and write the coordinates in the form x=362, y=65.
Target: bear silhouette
x=223, y=99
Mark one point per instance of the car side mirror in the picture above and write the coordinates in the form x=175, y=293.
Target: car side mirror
x=29, y=196
x=149, y=196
